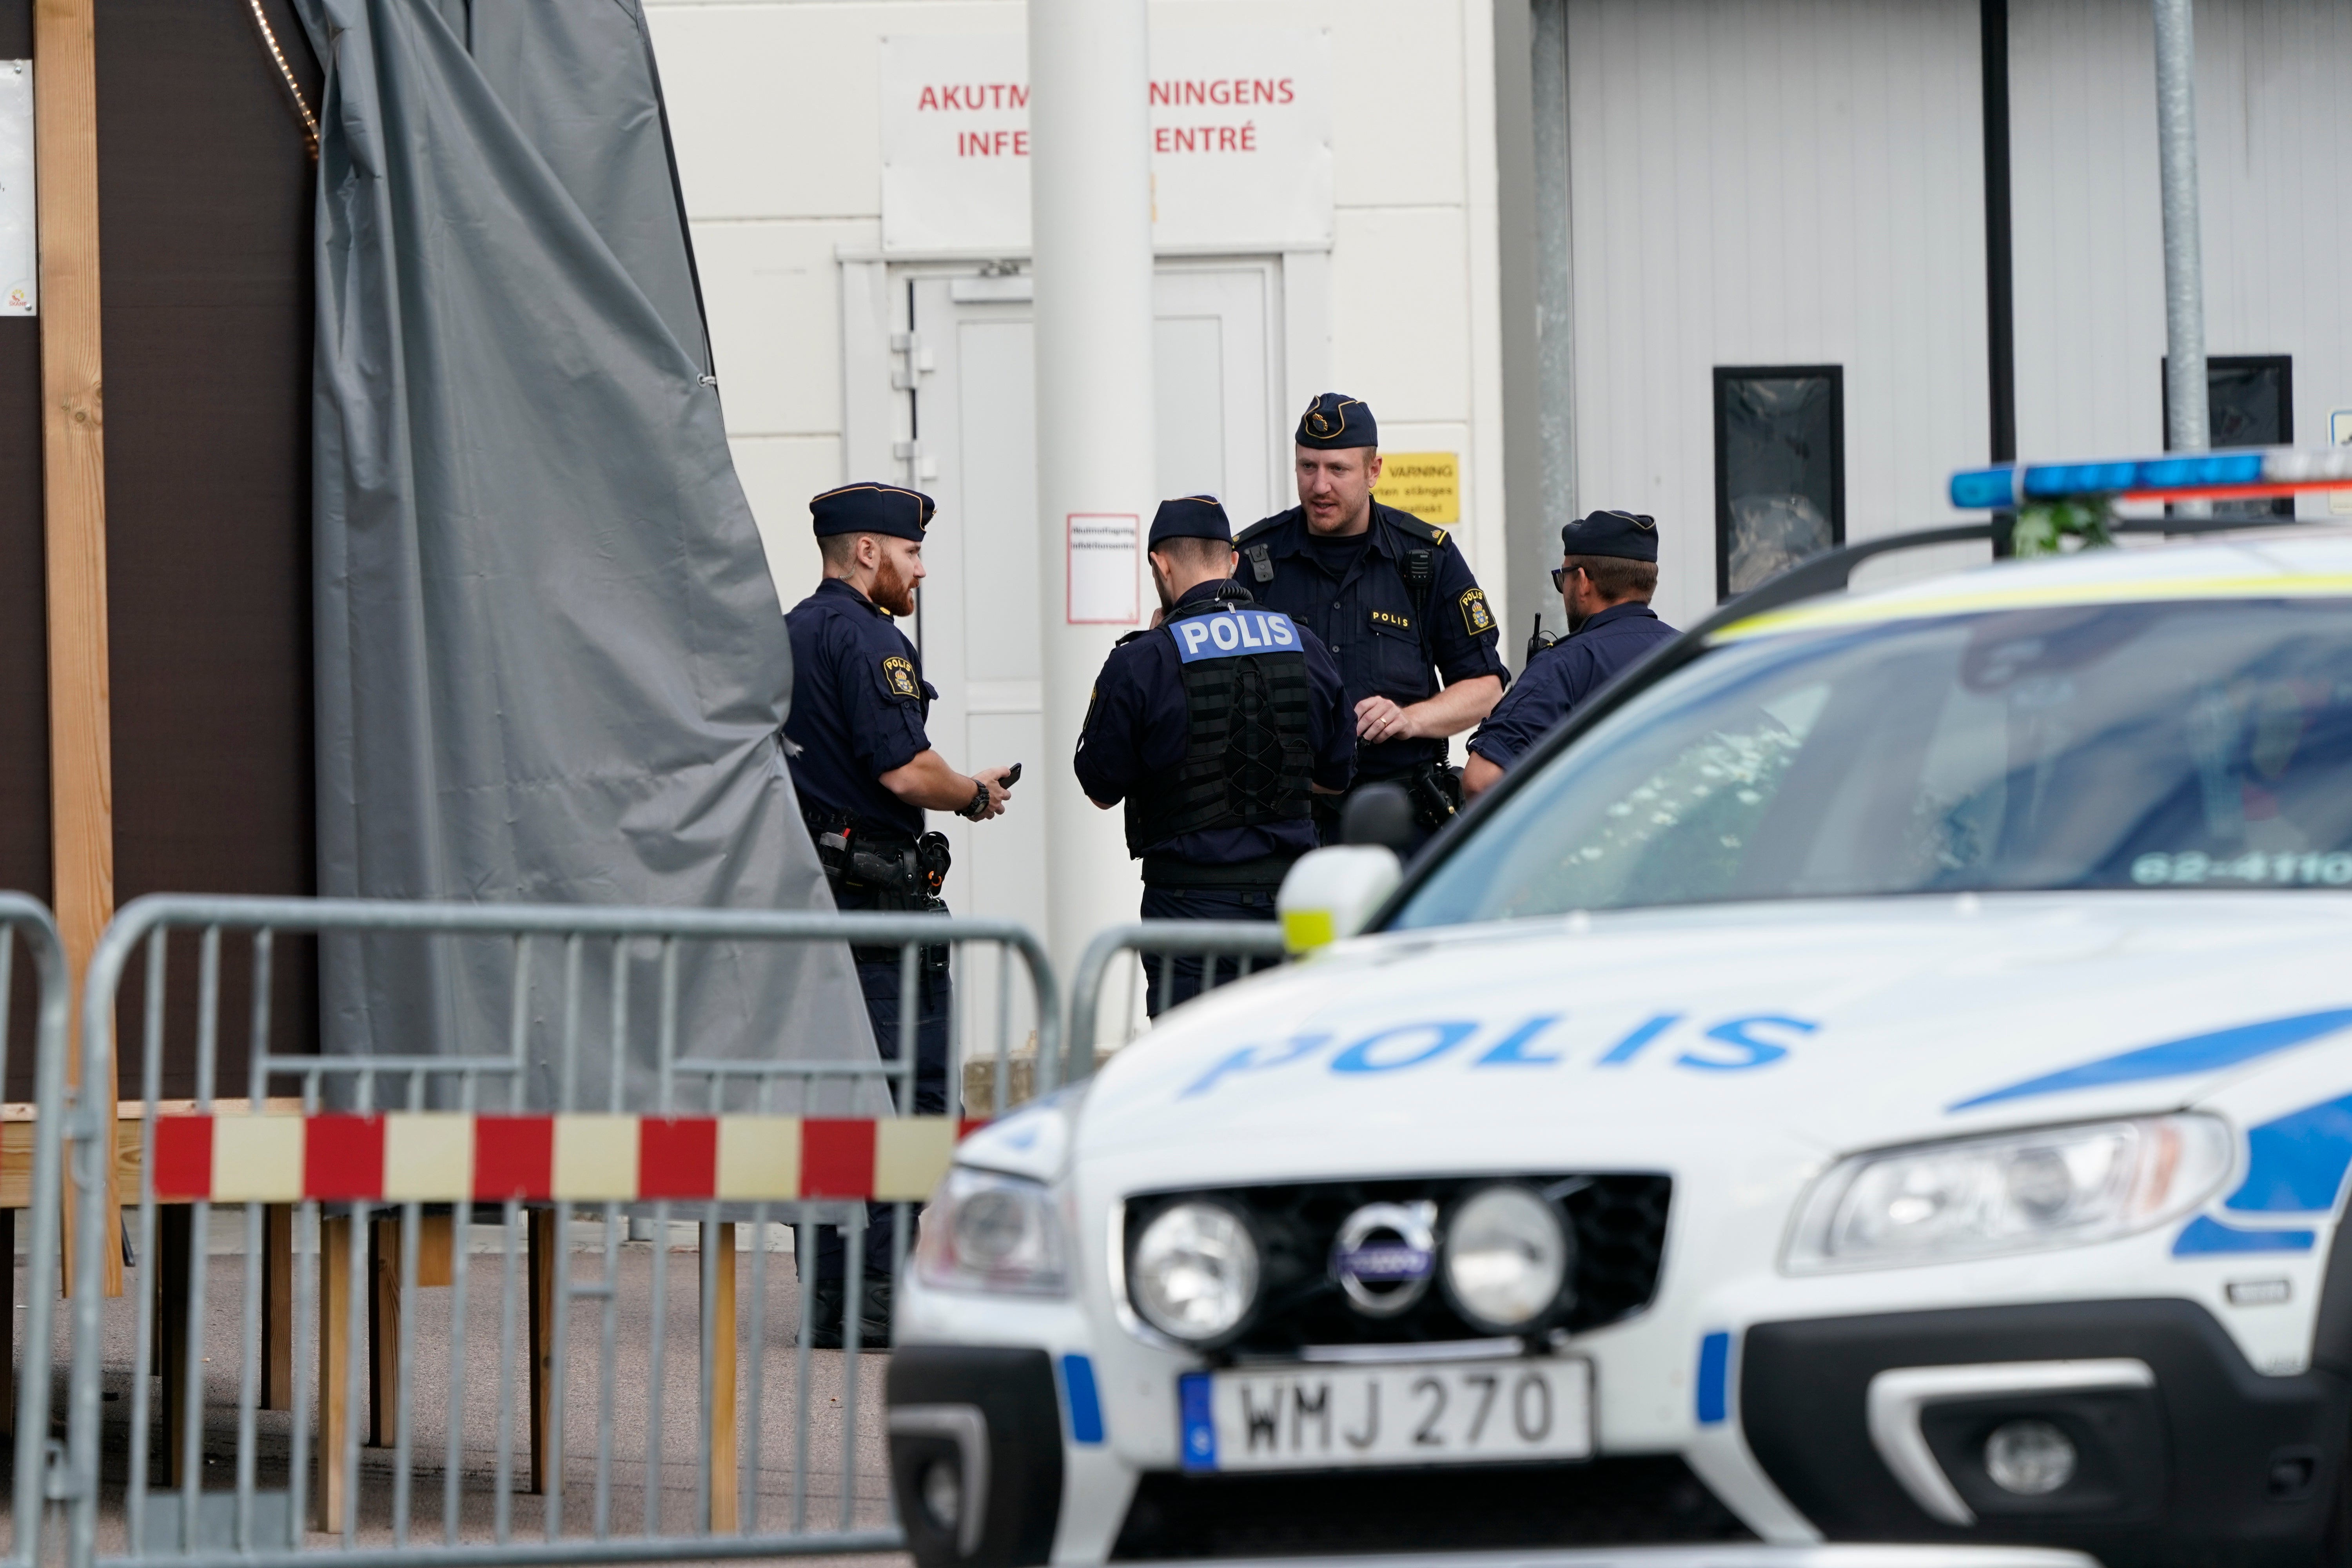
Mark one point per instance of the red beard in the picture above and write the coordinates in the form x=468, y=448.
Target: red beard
x=893, y=592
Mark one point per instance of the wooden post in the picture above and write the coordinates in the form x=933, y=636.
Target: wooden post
x=546, y=1256
x=73, y=467
x=436, y=1249
x=334, y=1362
x=277, y=1308
x=721, y=1414
x=384, y=1330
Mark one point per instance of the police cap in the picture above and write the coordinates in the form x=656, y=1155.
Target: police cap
x=868, y=508
x=1190, y=517
x=1625, y=535
x=1335, y=420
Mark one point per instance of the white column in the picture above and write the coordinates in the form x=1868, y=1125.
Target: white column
x=1090, y=201
x=2184, y=267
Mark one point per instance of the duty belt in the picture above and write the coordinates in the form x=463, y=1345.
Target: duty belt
x=886, y=870
x=1262, y=875
x=856, y=854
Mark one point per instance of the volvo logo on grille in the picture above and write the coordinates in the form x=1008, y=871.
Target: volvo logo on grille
x=1384, y=1254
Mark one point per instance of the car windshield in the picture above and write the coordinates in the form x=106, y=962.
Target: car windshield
x=2184, y=744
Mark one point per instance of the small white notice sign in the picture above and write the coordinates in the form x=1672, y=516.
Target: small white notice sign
x=19, y=253
x=1106, y=569
x=1240, y=140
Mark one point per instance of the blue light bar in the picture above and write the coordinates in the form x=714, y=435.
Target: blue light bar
x=1976, y=490
x=2274, y=470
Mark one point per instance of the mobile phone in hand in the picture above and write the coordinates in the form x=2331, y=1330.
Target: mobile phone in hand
x=1011, y=776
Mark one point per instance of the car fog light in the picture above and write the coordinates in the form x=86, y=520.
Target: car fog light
x=942, y=1493
x=2032, y=1458
x=1506, y=1257
x=1194, y=1273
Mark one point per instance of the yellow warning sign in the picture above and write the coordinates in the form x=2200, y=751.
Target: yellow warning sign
x=1426, y=484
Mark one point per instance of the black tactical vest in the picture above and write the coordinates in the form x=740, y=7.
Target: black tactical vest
x=1248, y=751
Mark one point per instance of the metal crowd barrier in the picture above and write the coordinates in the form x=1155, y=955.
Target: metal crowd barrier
x=25, y=920
x=386, y=1194
x=1250, y=944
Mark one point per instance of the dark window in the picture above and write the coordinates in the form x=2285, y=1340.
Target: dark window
x=2250, y=402
x=1779, y=470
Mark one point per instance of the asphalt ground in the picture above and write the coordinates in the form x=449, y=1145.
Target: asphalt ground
x=838, y=1461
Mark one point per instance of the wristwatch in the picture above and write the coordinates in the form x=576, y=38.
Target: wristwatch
x=978, y=803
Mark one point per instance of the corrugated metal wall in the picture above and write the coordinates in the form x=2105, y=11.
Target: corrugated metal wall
x=1774, y=181
x=2274, y=134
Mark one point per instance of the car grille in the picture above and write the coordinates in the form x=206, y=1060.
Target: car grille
x=1619, y=1501
x=1621, y=1229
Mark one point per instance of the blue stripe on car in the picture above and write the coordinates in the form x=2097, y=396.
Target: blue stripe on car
x=2203, y=1236
x=2296, y=1165
x=1085, y=1402
x=2175, y=1058
x=1199, y=1420
x=1714, y=1378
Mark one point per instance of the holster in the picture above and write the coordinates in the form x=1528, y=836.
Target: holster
x=1437, y=792
x=885, y=872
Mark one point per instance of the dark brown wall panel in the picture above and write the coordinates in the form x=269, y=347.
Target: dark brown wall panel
x=206, y=193
x=24, y=632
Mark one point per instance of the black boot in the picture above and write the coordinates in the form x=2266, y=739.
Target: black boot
x=824, y=1315
x=874, y=1316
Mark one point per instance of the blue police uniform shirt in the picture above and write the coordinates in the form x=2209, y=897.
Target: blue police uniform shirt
x=1354, y=598
x=1136, y=726
x=859, y=701
x=1564, y=675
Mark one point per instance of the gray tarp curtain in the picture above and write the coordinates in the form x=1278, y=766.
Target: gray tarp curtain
x=550, y=661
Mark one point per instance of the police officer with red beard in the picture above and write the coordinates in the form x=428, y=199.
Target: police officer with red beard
x=865, y=772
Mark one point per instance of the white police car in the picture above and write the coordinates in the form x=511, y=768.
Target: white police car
x=1887, y=1077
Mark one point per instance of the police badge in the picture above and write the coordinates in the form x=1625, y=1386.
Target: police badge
x=1476, y=619
x=899, y=675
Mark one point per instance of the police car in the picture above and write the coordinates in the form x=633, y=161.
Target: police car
x=1882, y=1075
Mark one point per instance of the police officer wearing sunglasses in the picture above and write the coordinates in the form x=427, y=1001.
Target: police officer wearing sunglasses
x=1606, y=578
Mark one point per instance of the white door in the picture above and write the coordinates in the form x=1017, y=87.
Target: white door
x=974, y=419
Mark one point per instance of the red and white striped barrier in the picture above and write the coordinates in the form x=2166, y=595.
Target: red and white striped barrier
x=447, y=1157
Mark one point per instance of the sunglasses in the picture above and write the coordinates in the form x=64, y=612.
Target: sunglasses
x=1559, y=577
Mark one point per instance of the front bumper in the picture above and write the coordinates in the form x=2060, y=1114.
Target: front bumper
x=2199, y=1458
x=975, y=1453
x=2199, y=1461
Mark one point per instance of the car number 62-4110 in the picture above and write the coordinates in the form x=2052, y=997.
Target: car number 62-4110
x=1322, y=1418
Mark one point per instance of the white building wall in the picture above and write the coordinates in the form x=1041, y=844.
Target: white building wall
x=774, y=109
x=2274, y=138
x=1774, y=181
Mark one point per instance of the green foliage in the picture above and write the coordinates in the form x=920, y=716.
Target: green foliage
x=2044, y=527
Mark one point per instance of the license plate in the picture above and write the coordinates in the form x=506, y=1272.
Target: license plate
x=1324, y=1417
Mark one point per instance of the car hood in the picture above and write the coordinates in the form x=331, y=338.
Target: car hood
x=1838, y=1025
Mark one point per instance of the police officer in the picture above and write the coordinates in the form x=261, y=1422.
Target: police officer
x=1606, y=579
x=1392, y=599
x=1216, y=727
x=865, y=772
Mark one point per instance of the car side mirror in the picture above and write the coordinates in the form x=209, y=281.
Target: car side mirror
x=1379, y=814
x=1330, y=893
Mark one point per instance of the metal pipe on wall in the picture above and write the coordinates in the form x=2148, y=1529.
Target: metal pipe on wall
x=2184, y=274
x=1091, y=204
x=1554, y=292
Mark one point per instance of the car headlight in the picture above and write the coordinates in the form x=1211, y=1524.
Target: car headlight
x=2054, y=1186
x=1507, y=1258
x=1194, y=1272
x=984, y=1231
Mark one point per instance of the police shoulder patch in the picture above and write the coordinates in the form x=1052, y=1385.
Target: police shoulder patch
x=898, y=674
x=1476, y=618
